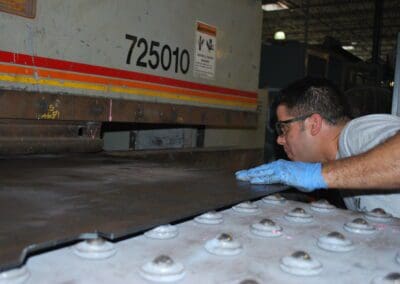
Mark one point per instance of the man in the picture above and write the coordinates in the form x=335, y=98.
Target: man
x=314, y=131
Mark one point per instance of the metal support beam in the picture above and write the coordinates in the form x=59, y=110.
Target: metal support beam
x=61, y=107
x=306, y=3
x=396, y=88
x=376, y=39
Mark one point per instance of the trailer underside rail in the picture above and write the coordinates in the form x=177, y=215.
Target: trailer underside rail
x=47, y=201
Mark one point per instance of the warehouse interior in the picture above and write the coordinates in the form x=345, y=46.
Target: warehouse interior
x=124, y=122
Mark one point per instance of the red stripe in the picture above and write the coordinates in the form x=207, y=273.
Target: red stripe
x=38, y=61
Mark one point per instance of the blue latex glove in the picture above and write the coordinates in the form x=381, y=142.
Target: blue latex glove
x=304, y=176
x=244, y=175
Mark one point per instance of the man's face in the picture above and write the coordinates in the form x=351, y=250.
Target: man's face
x=294, y=137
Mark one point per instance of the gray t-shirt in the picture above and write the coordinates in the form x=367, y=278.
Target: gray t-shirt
x=358, y=136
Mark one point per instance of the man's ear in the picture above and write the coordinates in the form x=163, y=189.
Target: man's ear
x=315, y=123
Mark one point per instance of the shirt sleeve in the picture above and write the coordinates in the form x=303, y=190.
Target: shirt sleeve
x=366, y=132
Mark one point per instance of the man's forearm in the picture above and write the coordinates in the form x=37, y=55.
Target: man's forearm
x=377, y=168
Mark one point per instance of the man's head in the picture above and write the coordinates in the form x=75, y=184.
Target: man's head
x=309, y=111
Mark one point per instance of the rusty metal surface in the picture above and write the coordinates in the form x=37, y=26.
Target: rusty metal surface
x=43, y=106
x=51, y=200
x=20, y=136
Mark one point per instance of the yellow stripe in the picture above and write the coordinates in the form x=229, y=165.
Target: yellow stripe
x=74, y=85
x=18, y=79
x=105, y=88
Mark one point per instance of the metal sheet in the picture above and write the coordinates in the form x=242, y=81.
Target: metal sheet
x=52, y=200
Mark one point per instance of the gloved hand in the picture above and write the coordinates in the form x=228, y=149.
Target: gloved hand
x=304, y=176
x=243, y=175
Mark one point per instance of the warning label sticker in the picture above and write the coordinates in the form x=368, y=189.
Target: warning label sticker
x=25, y=8
x=205, y=49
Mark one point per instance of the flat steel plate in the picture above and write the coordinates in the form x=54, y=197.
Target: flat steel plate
x=49, y=201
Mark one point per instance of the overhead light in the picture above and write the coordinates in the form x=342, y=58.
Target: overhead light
x=276, y=6
x=279, y=35
x=348, y=47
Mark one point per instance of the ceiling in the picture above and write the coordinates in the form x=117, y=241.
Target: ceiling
x=349, y=21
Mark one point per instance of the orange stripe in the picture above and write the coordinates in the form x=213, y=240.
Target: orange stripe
x=16, y=69
x=124, y=83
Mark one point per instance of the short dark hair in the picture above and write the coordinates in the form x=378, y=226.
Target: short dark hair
x=314, y=95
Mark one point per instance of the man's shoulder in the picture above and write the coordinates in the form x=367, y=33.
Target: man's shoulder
x=365, y=132
x=372, y=118
x=373, y=122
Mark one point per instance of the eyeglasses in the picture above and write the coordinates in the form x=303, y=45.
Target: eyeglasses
x=281, y=126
